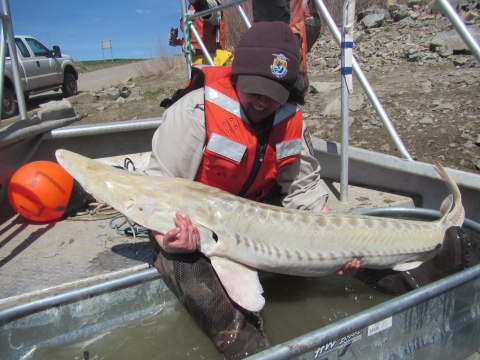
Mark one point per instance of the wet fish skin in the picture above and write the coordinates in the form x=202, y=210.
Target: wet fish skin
x=253, y=236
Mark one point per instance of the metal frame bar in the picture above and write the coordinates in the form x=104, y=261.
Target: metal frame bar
x=348, y=17
x=202, y=45
x=187, y=17
x=215, y=9
x=7, y=33
x=188, y=57
x=3, y=48
x=461, y=28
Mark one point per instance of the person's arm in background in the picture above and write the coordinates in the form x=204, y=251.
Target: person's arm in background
x=201, y=5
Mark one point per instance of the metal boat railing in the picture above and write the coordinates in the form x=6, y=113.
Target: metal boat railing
x=311, y=342
x=6, y=32
x=451, y=299
x=14, y=312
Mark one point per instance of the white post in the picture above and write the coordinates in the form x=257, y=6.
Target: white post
x=348, y=21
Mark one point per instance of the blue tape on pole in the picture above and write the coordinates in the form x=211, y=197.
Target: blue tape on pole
x=347, y=44
x=347, y=71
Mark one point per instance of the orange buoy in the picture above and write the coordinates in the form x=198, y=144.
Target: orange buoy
x=40, y=191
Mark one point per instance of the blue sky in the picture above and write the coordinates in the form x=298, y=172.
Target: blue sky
x=134, y=27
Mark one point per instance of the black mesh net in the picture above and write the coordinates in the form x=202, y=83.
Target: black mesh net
x=236, y=332
x=452, y=257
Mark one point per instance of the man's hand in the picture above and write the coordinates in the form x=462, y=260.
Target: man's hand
x=351, y=268
x=177, y=42
x=185, y=238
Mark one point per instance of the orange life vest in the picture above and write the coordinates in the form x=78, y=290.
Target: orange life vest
x=231, y=153
x=213, y=37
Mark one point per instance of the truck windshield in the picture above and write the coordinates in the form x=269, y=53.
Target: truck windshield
x=37, y=47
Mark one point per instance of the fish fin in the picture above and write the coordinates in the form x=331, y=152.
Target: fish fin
x=207, y=242
x=453, y=215
x=446, y=206
x=241, y=283
x=407, y=266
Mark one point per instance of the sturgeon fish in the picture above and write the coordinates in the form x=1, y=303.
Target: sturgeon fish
x=240, y=236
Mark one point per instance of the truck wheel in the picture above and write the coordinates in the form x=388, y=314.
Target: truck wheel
x=69, y=87
x=9, y=105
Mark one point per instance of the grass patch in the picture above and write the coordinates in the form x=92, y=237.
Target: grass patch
x=161, y=60
x=152, y=94
x=93, y=65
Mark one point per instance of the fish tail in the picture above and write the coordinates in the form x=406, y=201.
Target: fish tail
x=451, y=211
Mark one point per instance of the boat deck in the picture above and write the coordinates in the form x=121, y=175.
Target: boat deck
x=39, y=260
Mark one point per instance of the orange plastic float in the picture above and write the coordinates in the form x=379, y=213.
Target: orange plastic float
x=40, y=191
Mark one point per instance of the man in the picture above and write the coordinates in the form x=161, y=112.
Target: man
x=241, y=132
x=211, y=29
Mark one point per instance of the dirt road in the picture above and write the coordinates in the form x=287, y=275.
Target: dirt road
x=112, y=76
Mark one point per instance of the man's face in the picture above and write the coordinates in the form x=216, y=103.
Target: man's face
x=256, y=107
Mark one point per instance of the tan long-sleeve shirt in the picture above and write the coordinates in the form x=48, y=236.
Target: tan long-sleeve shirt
x=178, y=144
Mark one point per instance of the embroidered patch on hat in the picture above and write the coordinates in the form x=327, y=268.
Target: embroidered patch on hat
x=308, y=140
x=279, y=66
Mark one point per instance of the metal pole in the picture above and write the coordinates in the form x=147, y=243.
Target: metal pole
x=3, y=44
x=215, y=9
x=187, y=56
x=8, y=29
x=202, y=45
x=366, y=86
x=347, y=88
x=243, y=16
x=461, y=28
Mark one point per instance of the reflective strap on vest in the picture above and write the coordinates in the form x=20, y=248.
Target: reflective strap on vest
x=224, y=102
x=289, y=148
x=284, y=112
x=226, y=147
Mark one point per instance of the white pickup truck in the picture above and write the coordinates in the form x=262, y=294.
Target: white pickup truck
x=41, y=70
